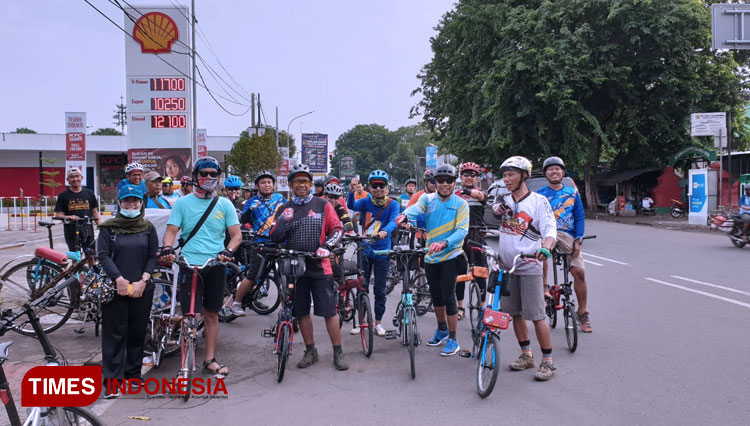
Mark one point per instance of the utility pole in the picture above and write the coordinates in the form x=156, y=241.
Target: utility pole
x=195, y=88
x=121, y=116
x=252, y=110
x=277, y=129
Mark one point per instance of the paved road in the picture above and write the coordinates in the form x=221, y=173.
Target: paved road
x=669, y=312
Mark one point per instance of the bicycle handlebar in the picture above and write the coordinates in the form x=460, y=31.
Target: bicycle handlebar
x=278, y=251
x=82, y=220
x=399, y=251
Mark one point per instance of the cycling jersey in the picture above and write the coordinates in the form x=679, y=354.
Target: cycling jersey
x=261, y=217
x=446, y=221
x=385, y=222
x=568, y=208
x=403, y=202
x=124, y=182
x=421, y=223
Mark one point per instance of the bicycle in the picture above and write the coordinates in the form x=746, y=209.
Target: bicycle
x=421, y=288
x=39, y=416
x=562, y=298
x=476, y=293
x=163, y=329
x=291, y=265
x=405, y=319
x=485, y=332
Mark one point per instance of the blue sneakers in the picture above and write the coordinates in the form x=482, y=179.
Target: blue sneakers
x=451, y=348
x=440, y=337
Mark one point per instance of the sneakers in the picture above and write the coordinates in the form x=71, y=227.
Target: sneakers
x=440, y=337
x=583, y=319
x=523, y=362
x=546, y=370
x=451, y=348
x=339, y=362
x=379, y=330
x=111, y=395
x=148, y=361
x=310, y=358
x=354, y=331
x=237, y=309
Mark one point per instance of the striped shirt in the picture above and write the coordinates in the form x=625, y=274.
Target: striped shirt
x=445, y=221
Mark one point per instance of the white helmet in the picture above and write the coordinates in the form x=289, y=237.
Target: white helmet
x=517, y=162
x=133, y=167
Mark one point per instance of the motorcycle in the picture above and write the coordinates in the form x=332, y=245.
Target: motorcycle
x=678, y=209
x=732, y=225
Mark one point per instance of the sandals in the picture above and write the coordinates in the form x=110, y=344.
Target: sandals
x=461, y=313
x=215, y=371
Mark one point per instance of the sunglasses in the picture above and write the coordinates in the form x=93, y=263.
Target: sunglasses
x=301, y=182
x=469, y=174
x=207, y=174
x=377, y=185
x=332, y=197
x=444, y=180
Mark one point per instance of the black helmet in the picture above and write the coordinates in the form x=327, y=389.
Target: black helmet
x=446, y=170
x=553, y=161
x=319, y=182
x=265, y=174
x=299, y=168
x=410, y=180
x=429, y=174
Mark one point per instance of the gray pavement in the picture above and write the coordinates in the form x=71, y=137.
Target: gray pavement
x=668, y=309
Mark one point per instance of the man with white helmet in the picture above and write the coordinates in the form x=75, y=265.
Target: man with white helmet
x=133, y=176
x=527, y=226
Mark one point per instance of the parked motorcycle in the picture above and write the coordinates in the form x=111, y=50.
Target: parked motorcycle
x=732, y=225
x=678, y=209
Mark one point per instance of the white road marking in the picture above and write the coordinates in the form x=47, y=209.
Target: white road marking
x=593, y=263
x=607, y=259
x=734, y=290
x=702, y=293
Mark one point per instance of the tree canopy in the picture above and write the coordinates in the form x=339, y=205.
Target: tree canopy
x=106, y=131
x=588, y=80
x=252, y=154
x=24, y=130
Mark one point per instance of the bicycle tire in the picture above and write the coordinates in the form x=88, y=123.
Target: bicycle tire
x=410, y=318
x=270, y=279
x=365, y=323
x=19, y=286
x=73, y=416
x=283, y=350
x=392, y=278
x=188, y=364
x=422, y=297
x=487, y=362
x=571, y=327
x=349, y=302
x=550, y=309
x=475, y=302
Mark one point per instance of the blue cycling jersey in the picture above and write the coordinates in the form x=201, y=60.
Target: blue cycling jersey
x=446, y=221
x=261, y=217
x=568, y=208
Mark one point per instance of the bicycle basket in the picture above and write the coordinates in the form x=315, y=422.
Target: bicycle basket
x=288, y=266
x=496, y=319
x=98, y=286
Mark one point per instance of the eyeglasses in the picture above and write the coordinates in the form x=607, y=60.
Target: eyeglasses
x=442, y=179
x=301, y=182
x=377, y=185
x=233, y=189
x=469, y=174
x=207, y=174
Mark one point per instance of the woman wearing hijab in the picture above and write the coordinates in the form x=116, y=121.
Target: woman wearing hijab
x=127, y=247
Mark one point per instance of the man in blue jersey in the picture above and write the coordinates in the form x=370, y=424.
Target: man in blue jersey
x=379, y=213
x=257, y=215
x=447, y=223
x=568, y=208
x=133, y=176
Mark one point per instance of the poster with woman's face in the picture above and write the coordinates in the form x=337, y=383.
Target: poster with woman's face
x=172, y=162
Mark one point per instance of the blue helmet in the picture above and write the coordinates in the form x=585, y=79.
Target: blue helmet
x=378, y=175
x=233, y=182
x=205, y=163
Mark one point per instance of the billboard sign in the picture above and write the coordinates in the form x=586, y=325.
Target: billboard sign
x=282, y=183
x=75, y=143
x=347, y=167
x=431, y=157
x=728, y=23
x=708, y=123
x=202, y=146
x=315, y=152
x=172, y=162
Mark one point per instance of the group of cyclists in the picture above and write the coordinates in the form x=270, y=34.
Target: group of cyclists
x=317, y=214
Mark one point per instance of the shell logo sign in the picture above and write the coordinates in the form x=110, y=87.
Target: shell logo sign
x=156, y=32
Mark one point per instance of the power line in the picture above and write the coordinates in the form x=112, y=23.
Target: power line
x=197, y=68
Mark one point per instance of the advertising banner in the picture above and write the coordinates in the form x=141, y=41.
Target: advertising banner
x=202, y=147
x=431, y=157
x=75, y=142
x=315, y=152
x=172, y=162
x=282, y=183
x=698, y=196
x=347, y=167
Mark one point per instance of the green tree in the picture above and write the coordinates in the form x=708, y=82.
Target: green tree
x=369, y=144
x=252, y=154
x=588, y=80
x=106, y=131
x=284, y=140
x=407, y=158
x=49, y=176
x=24, y=130
x=120, y=117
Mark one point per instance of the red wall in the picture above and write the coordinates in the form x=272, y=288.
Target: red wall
x=27, y=178
x=668, y=187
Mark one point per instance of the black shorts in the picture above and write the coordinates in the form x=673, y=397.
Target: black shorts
x=87, y=237
x=253, y=264
x=323, y=294
x=210, y=289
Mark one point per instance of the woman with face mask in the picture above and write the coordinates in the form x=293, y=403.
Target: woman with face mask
x=127, y=246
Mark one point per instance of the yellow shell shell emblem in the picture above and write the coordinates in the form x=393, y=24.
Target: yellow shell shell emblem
x=156, y=32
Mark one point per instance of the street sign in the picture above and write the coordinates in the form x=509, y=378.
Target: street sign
x=707, y=123
x=75, y=143
x=728, y=23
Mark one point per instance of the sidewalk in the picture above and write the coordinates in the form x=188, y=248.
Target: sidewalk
x=657, y=221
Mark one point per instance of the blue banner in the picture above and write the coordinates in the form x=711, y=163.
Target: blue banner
x=431, y=157
x=698, y=196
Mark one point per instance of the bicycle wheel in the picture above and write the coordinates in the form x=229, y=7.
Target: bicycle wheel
x=282, y=343
x=551, y=310
x=475, y=302
x=571, y=327
x=488, y=360
x=365, y=323
x=392, y=278
x=422, y=297
x=346, y=309
x=21, y=284
x=225, y=313
x=71, y=416
x=410, y=319
x=188, y=362
x=267, y=297
x=172, y=342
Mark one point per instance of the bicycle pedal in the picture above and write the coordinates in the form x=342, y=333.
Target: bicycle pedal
x=79, y=330
x=390, y=334
x=267, y=332
x=464, y=354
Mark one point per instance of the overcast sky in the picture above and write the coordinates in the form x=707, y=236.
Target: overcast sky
x=352, y=61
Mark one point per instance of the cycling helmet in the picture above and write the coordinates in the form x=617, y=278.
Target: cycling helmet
x=517, y=162
x=553, y=161
x=328, y=179
x=410, y=180
x=186, y=181
x=299, y=168
x=471, y=167
x=333, y=189
x=265, y=174
x=429, y=174
x=167, y=180
x=133, y=167
x=446, y=170
x=233, y=182
x=205, y=163
x=319, y=182
x=378, y=175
